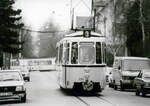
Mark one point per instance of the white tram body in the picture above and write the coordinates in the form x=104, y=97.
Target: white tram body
x=80, y=61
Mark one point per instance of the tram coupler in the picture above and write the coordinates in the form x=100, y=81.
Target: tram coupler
x=87, y=85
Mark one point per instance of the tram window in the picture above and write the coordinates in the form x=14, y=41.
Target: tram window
x=61, y=53
x=56, y=55
x=104, y=52
x=87, y=54
x=74, y=53
x=67, y=53
x=98, y=53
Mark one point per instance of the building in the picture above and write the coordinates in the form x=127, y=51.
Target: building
x=108, y=20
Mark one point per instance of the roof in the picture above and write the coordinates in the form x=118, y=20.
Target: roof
x=138, y=58
x=146, y=70
x=80, y=33
x=10, y=70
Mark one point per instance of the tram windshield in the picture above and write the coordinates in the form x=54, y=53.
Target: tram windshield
x=86, y=54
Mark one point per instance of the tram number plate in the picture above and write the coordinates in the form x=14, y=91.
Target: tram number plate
x=6, y=94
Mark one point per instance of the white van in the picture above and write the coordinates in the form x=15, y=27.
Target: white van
x=125, y=69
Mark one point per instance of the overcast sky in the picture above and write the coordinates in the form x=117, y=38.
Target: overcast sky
x=36, y=12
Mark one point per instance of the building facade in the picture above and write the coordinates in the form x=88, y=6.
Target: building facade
x=109, y=19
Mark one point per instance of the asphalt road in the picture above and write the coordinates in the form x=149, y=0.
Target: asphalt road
x=43, y=90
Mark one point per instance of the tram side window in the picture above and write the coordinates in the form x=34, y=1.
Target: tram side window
x=98, y=53
x=74, y=53
x=56, y=61
x=61, y=53
x=67, y=53
x=104, y=52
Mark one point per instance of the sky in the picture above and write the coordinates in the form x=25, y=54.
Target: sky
x=36, y=12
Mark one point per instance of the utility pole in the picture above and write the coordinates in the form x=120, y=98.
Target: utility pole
x=94, y=27
x=20, y=40
x=114, y=24
x=72, y=20
x=141, y=22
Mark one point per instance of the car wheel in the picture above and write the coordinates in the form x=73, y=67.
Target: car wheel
x=61, y=88
x=121, y=86
x=115, y=87
x=23, y=99
x=143, y=94
x=137, y=92
x=109, y=85
x=29, y=79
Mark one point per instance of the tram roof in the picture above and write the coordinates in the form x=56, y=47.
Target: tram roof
x=77, y=35
x=80, y=34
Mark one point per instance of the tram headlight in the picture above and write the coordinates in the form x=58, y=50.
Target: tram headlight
x=86, y=33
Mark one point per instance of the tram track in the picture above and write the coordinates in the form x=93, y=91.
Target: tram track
x=84, y=102
x=94, y=100
x=89, y=99
x=113, y=104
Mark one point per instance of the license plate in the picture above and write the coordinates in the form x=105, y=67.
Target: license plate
x=6, y=94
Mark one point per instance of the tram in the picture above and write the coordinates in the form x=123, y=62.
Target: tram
x=80, y=61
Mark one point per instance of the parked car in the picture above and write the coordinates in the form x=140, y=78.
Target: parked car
x=24, y=71
x=12, y=85
x=142, y=82
x=125, y=69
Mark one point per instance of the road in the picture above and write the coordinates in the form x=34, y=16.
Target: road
x=43, y=90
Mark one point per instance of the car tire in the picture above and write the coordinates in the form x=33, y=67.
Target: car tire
x=121, y=86
x=143, y=94
x=115, y=87
x=61, y=88
x=137, y=92
x=29, y=79
x=109, y=85
x=23, y=99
